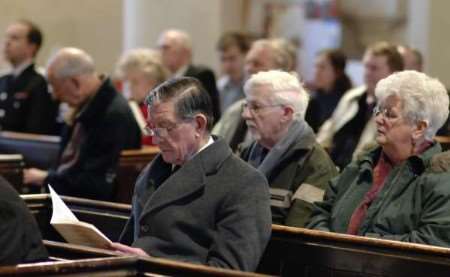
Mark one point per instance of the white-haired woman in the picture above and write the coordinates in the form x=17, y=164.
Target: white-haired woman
x=141, y=70
x=285, y=148
x=401, y=189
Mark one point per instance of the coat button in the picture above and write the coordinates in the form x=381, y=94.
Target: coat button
x=144, y=228
x=3, y=96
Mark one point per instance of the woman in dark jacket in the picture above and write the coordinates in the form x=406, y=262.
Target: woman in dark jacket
x=330, y=83
x=401, y=189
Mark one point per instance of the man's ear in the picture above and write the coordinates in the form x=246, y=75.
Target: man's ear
x=421, y=128
x=288, y=113
x=200, y=123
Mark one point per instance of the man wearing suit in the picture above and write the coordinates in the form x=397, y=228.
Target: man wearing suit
x=102, y=125
x=176, y=51
x=25, y=103
x=196, y=201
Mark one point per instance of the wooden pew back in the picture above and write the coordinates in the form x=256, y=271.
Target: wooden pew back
x=11, y=168
x=131, y=163
x=303, y=252
x=39, y=151
x=291, y=251
x=96, y=262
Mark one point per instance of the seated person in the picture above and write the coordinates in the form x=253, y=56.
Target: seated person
x=20, y=238
x=196, y=201
x=401, y=189
x=102, y=126
x=25, y=103
x=285, y=149
x=141, y=70
x=330, y=83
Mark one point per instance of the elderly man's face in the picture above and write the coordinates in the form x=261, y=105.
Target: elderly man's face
x=172, y=53
x=176, y=138
x=259, y=59
x=394, y=132
x=16, y=46
x=263, y=117
x=66, y=90
x=375, y=69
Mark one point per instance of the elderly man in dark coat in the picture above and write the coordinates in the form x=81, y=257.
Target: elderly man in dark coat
x=196, y=201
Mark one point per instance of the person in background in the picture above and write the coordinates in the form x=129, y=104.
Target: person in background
x=330, y=83
x=264, y=55
x=400, y=190
x=412, y=58
x=20, y=237
x=101, y=127
x=285, y=148
x=141, y=70
x=352, y=126
x=232, y=47
x=25, y=102
x=196, y=201
x=176, y=50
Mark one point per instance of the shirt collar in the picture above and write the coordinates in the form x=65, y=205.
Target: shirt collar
x=21, y=67
x=181, y=71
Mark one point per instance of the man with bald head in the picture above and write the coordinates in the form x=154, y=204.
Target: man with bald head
x=176, y=50
x=264, y=55
x=101, y=126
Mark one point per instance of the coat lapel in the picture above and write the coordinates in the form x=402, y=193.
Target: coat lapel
x=190, y=178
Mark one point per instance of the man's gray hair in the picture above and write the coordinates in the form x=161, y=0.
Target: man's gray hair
x=283, y=59
x=182, y=38
x=286, y=88
x=423, y=98
x=68, y=62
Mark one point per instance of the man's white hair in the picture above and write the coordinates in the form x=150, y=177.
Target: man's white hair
x=286, y=88
x=423, y=98
x=182, y=38
x=70, y=61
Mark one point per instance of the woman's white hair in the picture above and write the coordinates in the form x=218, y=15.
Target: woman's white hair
x=147, y=61
x=286, y=88
x=423, y=98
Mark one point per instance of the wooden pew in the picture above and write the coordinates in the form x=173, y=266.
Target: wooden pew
x=96, y=262
x=131, y=163
x=39, y=151
x=291, y=251
x=444, y=141
x=11, y=168
x=303, y=252
x=108, y=217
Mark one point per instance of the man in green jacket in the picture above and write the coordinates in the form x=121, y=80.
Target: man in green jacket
x=285, y=148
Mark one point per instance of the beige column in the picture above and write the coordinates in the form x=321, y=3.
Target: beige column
x=427, y=29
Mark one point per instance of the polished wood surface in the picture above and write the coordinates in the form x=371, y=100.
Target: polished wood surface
x=73, y=260
x=291, y=251
x=131, y=164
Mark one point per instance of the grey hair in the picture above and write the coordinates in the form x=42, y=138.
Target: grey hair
x=182, y=38
x=68, y=62
x=423, y=98
x=282, y=58
x=286, y=88
x=147, y=61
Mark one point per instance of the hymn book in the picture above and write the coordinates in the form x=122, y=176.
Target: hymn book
x=73, y=230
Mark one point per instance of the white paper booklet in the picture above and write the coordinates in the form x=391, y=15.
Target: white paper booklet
x=73, y=230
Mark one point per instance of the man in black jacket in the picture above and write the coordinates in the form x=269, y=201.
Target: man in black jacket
x=102, y=126
x=25, y=103
x=176, y=50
